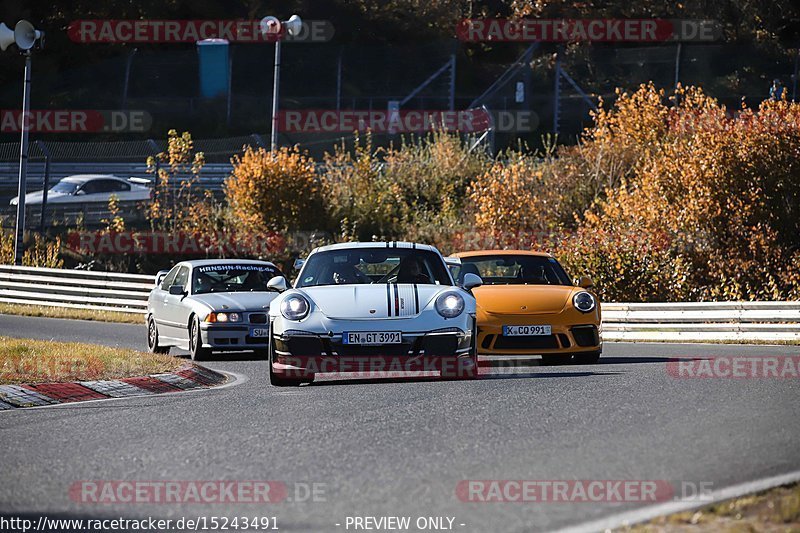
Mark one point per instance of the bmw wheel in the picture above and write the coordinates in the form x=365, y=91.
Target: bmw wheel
x=152, y=337
x=196, y=349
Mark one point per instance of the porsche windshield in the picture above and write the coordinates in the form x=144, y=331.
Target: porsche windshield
x=374, y=265
x=514, y=270
x=232, y=278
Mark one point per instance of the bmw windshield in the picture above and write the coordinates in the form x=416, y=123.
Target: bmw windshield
x=232, y=278
x=361, y=266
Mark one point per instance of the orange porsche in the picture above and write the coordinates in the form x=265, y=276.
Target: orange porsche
x=529, y=305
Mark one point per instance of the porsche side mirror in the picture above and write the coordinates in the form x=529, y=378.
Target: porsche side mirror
x=278, y=283
x=298, y=263
x=471, y=281
x=177, y=290
x=584, y=282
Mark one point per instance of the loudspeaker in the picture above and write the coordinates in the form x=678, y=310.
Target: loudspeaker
x=294, y=25
x=270, y=25
x=6, y=36
x=25, y=35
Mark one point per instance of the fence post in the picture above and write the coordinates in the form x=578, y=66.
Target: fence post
x=47, y=157
x=557, y=94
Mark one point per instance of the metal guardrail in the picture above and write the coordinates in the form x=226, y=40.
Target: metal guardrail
x=682, y=322
x=211, y=176
x=89, y=214
x=77, y=289
x=702, y=321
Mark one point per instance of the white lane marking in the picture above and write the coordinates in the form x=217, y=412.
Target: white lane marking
x=637, y=516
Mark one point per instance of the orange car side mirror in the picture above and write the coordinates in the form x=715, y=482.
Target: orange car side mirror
x=584, y=282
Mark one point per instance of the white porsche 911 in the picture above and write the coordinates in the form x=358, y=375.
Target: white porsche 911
x=357, y=303
x=211, y=305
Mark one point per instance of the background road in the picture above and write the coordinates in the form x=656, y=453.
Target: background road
x=400, y=447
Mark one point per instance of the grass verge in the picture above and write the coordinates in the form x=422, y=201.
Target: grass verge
x=66, y=312
x=773, y=510
x=34, y=361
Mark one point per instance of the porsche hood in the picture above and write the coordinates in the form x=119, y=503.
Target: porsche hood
x=523, y=299
x=385, y=300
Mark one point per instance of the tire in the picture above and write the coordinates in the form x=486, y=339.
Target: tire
x=152, y=338
x=589, y=358
x=196, y=350
x=279, y=381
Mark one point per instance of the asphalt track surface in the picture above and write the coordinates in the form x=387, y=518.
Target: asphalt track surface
x=400, y=447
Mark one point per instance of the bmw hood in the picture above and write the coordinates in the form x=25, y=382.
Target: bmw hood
x=385, y=300
x=236, y=301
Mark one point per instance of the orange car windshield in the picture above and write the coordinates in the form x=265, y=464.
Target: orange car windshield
x=513, y=270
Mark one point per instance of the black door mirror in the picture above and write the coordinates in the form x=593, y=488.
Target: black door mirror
x=177, y=290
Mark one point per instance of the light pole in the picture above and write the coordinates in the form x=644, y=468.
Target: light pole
x=273, y=27
x=25, y=36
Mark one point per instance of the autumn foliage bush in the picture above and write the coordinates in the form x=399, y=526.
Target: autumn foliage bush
x=277, y=191
x=710, y=207
x=414, y=191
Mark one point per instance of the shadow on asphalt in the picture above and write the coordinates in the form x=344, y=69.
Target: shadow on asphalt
x=632, y=360
x=223, y=357
x=423, y=379
x=525, y=361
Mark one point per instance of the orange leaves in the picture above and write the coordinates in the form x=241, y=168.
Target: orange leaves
x=719, y=185
x=276, y=191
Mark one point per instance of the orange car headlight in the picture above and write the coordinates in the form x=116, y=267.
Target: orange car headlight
x=584, y=302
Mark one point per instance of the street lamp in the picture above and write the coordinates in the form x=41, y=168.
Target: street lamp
x=271, y=26
x=25, y=36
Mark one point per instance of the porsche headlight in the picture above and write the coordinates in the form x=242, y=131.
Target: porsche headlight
x=584, y=302
x=450, y=304
x=295, y=307
x=223, y=317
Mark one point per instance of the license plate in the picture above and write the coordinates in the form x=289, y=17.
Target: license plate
x=372, y=337
x=515, y=331
x=259, y=333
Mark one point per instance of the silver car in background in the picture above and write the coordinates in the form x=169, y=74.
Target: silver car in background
x=211, y=305
x=89, y=188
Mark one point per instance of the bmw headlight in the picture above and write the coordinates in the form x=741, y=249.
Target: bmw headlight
x=584, y=302
x=223, y=317
x=295, y=307
x=450, y=304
